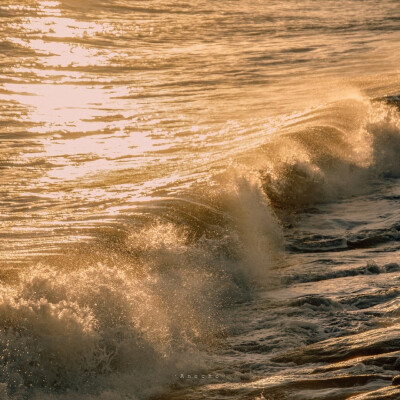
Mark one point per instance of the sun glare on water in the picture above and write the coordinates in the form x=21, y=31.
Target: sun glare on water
x=76, y=112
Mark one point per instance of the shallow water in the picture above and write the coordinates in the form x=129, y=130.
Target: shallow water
x=199, y=201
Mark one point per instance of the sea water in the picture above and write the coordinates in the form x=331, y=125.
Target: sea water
x=199, y=200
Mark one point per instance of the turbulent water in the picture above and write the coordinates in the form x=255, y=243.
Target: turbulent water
x=199, y=200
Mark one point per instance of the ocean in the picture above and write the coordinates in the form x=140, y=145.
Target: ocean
x=199, y=200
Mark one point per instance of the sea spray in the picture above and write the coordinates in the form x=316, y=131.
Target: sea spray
x=150, y=308
x=334, y=154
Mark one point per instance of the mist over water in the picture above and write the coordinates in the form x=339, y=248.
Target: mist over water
x=199, y=200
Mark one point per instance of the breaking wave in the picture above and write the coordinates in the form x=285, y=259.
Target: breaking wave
x=148, y=298
x=139, y=305
x=331, y=153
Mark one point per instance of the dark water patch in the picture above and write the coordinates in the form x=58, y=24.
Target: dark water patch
x=315, y=302
x=369, y=300
x=392, y=100
x=375, y=239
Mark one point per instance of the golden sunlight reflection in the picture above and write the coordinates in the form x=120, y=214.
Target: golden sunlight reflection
x=85, y=130
x=43, y=34
x=90, y=155
x=67, y=55
x=70, y=108
x=59, y=27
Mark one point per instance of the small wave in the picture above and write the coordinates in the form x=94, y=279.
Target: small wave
x=369, y=269
x=371, y=342
x=317, y=243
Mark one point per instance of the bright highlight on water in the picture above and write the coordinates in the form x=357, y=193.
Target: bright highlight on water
x=199, y=200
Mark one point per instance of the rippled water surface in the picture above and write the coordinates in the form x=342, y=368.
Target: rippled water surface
x=199, y=200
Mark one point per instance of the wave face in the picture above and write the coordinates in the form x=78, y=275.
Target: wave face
x=199, y=201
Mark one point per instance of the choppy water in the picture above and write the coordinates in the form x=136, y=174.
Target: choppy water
x=199, y=200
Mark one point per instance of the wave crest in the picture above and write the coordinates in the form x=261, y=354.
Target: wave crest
x=333, y=153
